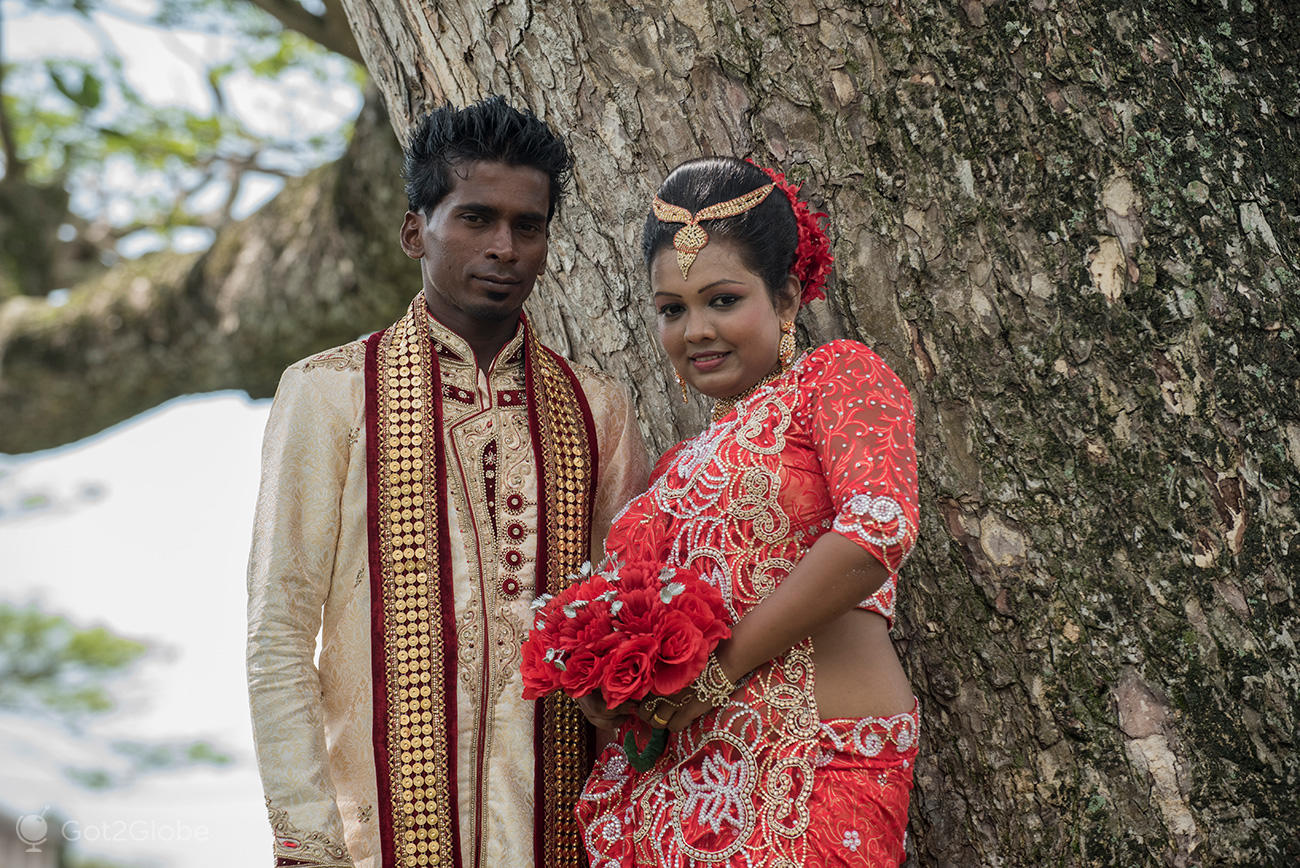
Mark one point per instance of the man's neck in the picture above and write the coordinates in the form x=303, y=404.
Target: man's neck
x=485, y=338
x=486, y=349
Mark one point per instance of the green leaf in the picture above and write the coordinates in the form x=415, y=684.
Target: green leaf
x=92, y=91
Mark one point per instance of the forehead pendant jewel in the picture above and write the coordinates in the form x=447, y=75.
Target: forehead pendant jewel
x=691, y=238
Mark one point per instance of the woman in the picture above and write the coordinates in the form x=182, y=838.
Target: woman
x=795, y=746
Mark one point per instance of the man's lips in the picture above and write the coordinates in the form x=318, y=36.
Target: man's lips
x=501, y=280
x=708, y=361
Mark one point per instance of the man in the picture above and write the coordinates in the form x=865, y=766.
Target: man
x=419, y=489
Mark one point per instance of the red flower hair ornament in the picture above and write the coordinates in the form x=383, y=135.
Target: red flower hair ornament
x=812, y=253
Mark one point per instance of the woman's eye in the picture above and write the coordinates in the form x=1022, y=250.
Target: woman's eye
x=670, y=310
x=724, y=300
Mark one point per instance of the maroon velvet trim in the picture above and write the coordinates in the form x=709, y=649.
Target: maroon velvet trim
x=535, y=435
x=447, y=606
x=378, y=657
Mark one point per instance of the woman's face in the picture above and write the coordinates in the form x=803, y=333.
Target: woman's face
x=718, y=326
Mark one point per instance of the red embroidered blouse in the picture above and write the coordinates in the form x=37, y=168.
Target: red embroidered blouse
x=826, y=447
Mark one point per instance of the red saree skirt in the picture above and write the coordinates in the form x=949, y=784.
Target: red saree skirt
x=858, y=808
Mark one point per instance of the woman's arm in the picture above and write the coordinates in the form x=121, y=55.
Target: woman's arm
x=830, y=580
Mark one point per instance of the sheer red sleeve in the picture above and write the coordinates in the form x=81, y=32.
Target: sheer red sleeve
x=862, y=424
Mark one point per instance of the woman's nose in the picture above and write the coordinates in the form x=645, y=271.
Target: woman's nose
x=699, y=327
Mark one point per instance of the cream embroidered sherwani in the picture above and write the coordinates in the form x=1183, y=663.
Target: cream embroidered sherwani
x=309, y=575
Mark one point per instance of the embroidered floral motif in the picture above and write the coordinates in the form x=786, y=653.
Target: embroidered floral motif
x=719, y=795
x=883, y=512
x=349, y=357
x=314, y=849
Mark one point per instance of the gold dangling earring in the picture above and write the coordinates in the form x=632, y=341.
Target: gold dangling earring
x=682, y=385
x=785, y=349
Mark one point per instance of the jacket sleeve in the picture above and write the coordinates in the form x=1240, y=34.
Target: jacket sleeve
x=624, y=464
x=295, y=533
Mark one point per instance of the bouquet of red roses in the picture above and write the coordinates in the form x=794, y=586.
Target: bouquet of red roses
x=628, y=631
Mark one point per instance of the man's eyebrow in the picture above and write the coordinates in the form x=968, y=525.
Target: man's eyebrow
x=491, y=211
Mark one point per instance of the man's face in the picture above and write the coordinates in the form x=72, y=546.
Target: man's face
x=483, y=245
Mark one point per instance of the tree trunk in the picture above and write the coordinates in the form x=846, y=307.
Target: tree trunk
x=1072, y=229
x=318, y=266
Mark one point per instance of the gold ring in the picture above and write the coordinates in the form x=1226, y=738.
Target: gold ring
x=654, y=718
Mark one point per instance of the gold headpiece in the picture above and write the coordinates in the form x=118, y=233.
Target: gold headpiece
x=691, y=238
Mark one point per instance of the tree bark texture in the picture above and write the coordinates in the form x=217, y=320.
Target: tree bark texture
x=318, y=266
x=1072, y=229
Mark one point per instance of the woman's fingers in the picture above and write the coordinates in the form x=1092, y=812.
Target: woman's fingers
x=593, y=708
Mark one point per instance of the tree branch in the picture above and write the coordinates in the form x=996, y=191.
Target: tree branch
x=330, y=30
x=170, y=324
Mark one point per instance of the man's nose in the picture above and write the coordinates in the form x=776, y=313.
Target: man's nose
x=501, y=244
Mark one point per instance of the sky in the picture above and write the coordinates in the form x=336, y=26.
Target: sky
x=158, y=555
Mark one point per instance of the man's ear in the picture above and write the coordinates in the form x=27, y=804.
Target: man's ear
x=411, y=235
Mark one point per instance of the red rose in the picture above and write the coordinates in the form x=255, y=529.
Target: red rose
x=637, y=615
x=540, y=675
x=628, y=670
x=588, y=622
x=708, y=615
x=682, y=653
x=582, y=671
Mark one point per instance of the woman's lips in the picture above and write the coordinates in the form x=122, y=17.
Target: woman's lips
x=708, y=361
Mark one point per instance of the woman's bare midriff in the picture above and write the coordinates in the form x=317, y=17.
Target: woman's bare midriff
x=857, y=671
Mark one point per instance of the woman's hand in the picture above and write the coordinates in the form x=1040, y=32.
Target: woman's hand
x=598, y=715
x=673, y=713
